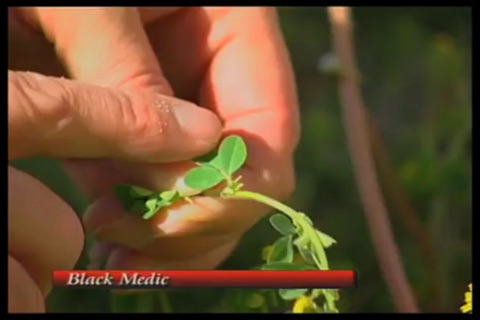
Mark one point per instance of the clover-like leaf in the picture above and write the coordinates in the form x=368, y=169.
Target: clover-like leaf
x=152, y=205
x=291, y=294
x=203, y=178
x=232, y=154
x=327, y=241
x=149, y=214
x=330, y=295
x=212, y=158
x=266, y=252
x=282, y=224
x=206, y=158
x=139, y=192
x=284, y=266
x=282, y=250
x=306, y=254
x=132, y=198
x=171, y=195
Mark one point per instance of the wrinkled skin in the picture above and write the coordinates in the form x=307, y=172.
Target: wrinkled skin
x=210, y=56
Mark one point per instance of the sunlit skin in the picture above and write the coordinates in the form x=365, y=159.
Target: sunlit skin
x=211, y=57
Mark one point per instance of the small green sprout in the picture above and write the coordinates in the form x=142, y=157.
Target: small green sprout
x=299, y=236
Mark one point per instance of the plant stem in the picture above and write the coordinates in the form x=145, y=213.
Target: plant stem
x=248, y=195
x=298, y=217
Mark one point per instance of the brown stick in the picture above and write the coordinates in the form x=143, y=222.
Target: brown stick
x=402, y=206
x=357, y=136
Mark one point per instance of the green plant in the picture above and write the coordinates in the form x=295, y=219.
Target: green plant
x=297, y=230
x=467, y=307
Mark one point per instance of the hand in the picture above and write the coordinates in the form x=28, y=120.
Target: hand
x=58, y=118
x=210, y=56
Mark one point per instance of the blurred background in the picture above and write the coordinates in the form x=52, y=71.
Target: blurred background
x=416, y=76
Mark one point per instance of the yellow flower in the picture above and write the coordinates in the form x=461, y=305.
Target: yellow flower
x=467, y=307
x=304, y=304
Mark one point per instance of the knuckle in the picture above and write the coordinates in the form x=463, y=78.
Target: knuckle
x=52, y=112
x=146, y=127
x=41, y=101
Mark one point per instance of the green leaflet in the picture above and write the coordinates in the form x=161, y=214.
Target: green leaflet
x=284, y=266
x=282, y=224
x=291, y=294
x=232, y=154
x=327, y=241
x=203, y=178
x=282, y=250
x=297, y=229
x=140, y=192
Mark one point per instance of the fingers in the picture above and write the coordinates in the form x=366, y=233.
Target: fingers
x=178, y=231
x=126, y=259
x=96, y=177
x=28, y=50
x=149, y=14
x=23, y=293
x=263, y=109
x=241, y=71
x=121, y=258
x=44, y=234
x=245, y=76
x=106, y=46
x=62, y=118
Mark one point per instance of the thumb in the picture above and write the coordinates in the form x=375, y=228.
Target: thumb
x=105, y=46
x=67, y=119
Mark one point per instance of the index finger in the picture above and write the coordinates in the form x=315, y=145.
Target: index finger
x=67, y=119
